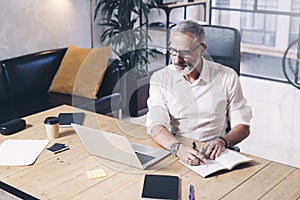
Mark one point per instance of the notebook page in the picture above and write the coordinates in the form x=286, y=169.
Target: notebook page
x=206, y=169
x=230, y=158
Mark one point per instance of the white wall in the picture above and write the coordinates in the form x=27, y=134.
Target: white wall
x=34, y=25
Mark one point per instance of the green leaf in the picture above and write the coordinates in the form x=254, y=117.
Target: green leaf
x=124, y=30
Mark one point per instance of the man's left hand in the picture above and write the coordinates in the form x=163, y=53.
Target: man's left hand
x=213, y=149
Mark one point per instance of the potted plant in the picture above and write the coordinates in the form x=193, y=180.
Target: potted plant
x=126, y=31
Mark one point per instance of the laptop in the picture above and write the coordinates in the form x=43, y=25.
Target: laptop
x=118, y=148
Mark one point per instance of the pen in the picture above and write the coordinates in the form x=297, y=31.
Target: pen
x=194, y=146
x=191, y=196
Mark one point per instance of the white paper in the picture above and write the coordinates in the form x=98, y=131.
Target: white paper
x=21, y=152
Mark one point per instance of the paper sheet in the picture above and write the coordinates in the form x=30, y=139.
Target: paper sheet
x=21, y=152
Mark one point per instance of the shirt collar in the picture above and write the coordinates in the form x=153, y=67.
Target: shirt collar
x=177, y=77
x=204, y=74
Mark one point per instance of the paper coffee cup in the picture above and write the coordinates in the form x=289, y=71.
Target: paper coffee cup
x=52, y=127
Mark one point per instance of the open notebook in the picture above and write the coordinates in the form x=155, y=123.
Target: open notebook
x=227, y=161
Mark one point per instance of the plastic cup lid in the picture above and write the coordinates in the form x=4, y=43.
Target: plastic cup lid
x=51, y=120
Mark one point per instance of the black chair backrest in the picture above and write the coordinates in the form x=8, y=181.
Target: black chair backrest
x=223, y=45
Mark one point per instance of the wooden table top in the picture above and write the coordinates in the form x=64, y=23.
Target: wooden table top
x=63, y=175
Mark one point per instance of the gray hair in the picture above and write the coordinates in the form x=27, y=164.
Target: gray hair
x=191, y=27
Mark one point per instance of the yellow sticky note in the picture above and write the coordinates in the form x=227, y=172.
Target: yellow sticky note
x=97, y=173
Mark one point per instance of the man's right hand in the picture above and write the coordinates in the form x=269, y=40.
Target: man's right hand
x=190, y=156
x=186, y=154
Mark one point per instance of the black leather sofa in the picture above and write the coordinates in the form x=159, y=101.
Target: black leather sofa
x=25, y=80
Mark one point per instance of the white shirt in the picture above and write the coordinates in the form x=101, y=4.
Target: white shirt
x=197, y=110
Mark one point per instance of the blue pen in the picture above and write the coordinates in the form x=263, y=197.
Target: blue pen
x=191, y=196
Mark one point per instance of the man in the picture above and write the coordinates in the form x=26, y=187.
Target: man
x=195, y=98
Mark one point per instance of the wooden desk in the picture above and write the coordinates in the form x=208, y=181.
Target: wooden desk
x=63, y=176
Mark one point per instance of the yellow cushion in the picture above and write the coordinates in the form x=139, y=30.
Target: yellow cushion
x=81, y=71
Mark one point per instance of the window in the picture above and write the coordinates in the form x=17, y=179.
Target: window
x=222, y=3
x=294, y=21
x=270, y=24
x=257, y=28
x=222, y=16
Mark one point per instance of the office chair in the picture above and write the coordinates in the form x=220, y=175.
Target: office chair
x=223, y=45
x=224, y=48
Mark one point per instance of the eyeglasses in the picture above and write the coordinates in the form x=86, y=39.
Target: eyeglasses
x=183, y=53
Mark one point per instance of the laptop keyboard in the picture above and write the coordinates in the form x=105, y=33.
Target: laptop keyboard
x=143, y=157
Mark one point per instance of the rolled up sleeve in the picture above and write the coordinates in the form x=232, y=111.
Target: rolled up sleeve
x=158, y=112
x=239, y=112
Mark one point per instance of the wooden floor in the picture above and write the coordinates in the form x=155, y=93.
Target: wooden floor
x=275, y=127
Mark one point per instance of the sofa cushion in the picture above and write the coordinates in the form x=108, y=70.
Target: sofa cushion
x=72, y=100
x=81, y=72
x=104, y=105
x=21, y=107
x=31, y=74
x=111, y=80
x=28, y=105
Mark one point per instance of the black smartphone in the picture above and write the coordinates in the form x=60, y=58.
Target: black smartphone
x=66, y=119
